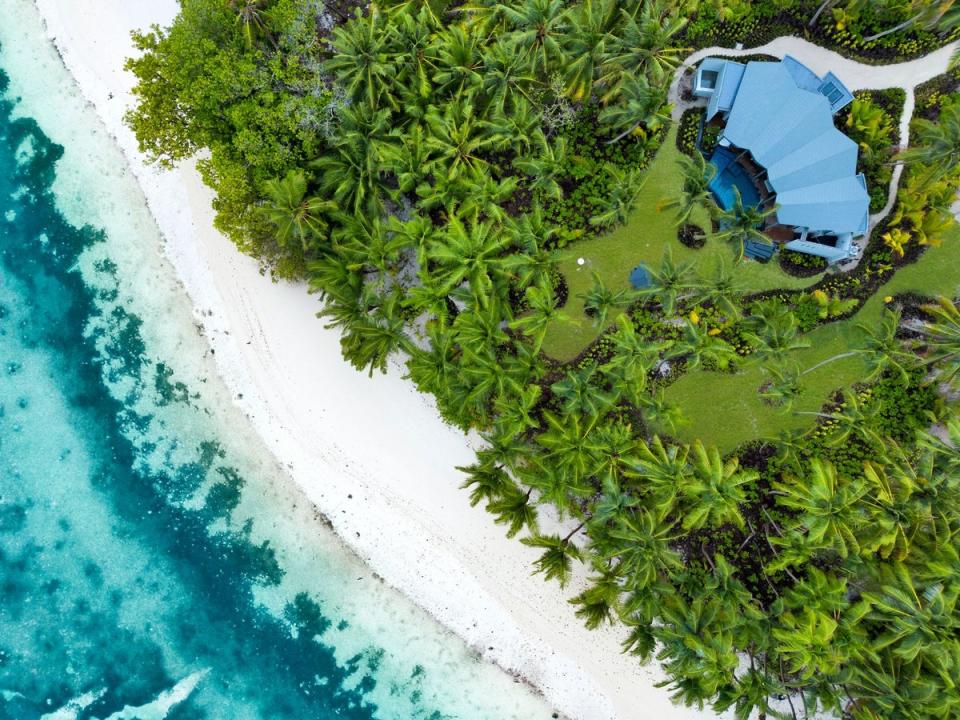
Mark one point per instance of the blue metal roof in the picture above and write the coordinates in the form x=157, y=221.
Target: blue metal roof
x=779, y=114
x=728, y=82
x=803, y=76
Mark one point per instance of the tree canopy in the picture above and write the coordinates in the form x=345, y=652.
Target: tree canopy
x=426, y=166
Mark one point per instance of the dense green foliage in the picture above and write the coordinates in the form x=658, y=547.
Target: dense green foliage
x=429, y=168
x=871, y=121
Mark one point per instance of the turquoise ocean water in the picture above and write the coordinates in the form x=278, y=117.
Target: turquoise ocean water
x=154, y=563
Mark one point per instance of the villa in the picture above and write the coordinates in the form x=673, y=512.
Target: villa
x=779, y=146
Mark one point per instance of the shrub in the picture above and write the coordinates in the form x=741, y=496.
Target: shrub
x=801, y=264
x=586, y=186
x=688, y=130
x=691, y=236
x=871, y=121
x=708, y=142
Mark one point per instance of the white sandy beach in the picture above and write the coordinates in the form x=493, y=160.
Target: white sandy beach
x=372, y=454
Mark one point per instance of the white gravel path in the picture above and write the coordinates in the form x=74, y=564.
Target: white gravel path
x=855, y=75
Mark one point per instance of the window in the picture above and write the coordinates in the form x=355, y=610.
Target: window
x=708, y=79
x=831, y=92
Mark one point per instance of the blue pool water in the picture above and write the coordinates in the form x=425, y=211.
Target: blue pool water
x=154, y=563
x=730, y=175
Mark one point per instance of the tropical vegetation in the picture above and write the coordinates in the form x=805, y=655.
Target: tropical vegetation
x=437, y=172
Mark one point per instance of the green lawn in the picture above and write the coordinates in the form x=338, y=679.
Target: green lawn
x=643, y=239
x=726, y=410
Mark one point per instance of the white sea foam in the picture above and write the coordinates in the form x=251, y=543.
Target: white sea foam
x=72, y=710
x=164, y=703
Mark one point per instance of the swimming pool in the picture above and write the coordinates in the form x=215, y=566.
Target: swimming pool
x=731, y=175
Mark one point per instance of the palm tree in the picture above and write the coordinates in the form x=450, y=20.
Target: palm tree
x=714, y=490
x=634, y=356
x=940, y=450
x=896, y=515
x=936, y=145
x=555, y=487
x=296, y=215
x=639, y=543
x=806, y=644
x=515, y=411
x=412, y=29
x=435, y=370
x=505, y=448
x=619, y=456
x=668, y=282
x=470, y=253
x=585, y=44
x=251, y=18
x=540, y=26
x=581, y=393
x=625, y=188
x=614, y=501
x=851, y=417
x=571, y=442
x=941, y=335
x=940, y=14
x=507, y=77
x=919, y=623
x=879, y=348
x=547, y=166
x=783, y=387
x=362, y=59
x=774, y=331
x=515, y=510
x=409, y=159
x=721, y=289
x=375, y=330
x=353, y=172
x=483, y=197
x=556, y=562
x=643, y=46
x=661, y=468
x=522, y=364
x=601, y=600
x=459, y=72
x=740, y=224
x=828, y=506
x=695, y=191
x=534, y=261
x=698, y=347
x=455, y=139
x=329, y=275
x=486, y=483
x=699, y=646
x=484, y=381
x=641, y=105
x=599, y=300
x=659, y=413
x=417, y=233
x=366, y=245
x=882, y=350
x=544, y=311
x=516, y=130
x=480, y=331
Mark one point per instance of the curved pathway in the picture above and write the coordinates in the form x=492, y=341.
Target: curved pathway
x=855, y=75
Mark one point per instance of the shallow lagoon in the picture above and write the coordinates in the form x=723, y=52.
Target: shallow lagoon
x=154, y=561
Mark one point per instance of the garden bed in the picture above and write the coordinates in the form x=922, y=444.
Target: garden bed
x=761, y=22
x=801, y=264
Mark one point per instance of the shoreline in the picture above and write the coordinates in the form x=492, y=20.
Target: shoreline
x=306, y=403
